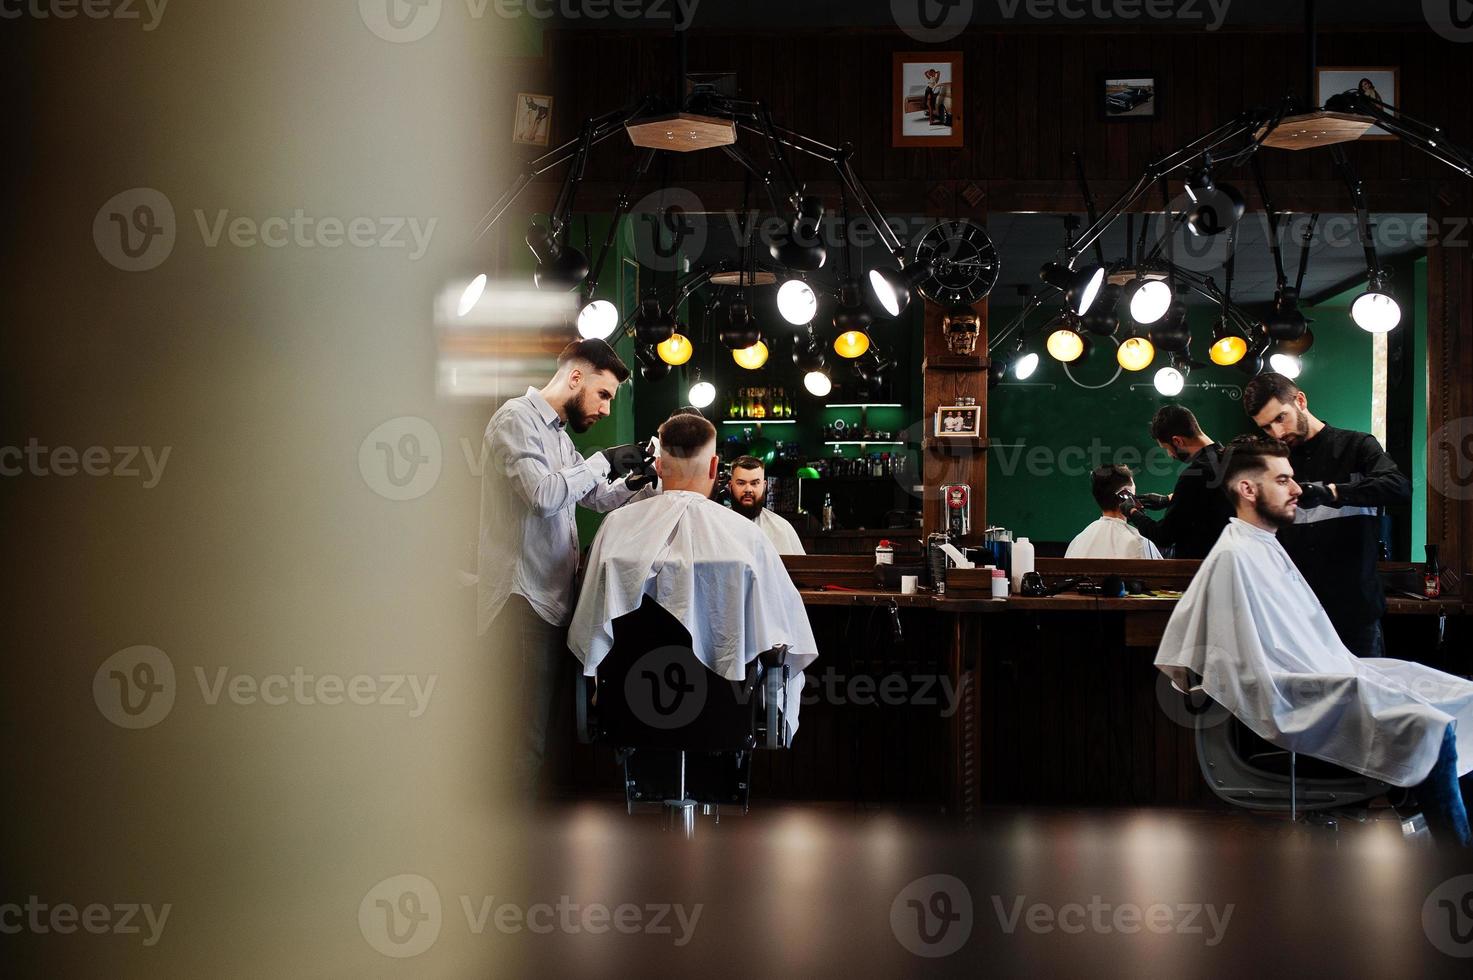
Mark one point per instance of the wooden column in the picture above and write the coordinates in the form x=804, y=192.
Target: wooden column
x=1449, y=398
x=944, y=377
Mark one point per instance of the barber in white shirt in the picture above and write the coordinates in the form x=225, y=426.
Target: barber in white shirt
x=532, y=480
x=748, y=492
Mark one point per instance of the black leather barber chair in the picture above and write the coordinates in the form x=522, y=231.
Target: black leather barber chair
x=1246, y=771
x=684, y=735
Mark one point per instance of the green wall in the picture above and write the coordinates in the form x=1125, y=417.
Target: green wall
x=1048, y=433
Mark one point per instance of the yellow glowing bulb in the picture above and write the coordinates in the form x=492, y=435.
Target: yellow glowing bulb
x=675, y=350
x=1228, y=350
x=1065, y=345
x=851, y=343
x=1136, y=354
x=752, y=357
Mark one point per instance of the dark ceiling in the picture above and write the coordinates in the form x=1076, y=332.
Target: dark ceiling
x=1048, y=14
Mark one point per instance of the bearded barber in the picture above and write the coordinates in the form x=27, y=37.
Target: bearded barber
x=1197, y=509
x=533, y=479
x=748, y=492
x=1345, y=478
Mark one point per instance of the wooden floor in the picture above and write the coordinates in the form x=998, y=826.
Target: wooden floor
x=829, y=889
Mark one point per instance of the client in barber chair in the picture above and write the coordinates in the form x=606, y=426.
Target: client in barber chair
x=1250, y=627
x=1113, y=488
x=707, y=566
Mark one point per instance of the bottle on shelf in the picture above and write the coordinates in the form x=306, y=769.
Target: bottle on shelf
x=1432, y=574
x=828, y=512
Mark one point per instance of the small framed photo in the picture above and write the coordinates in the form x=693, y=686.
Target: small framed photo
x=1377, y=83
x=532, y=119
x=927, y=108
x=1129, y=96
x=959, y=421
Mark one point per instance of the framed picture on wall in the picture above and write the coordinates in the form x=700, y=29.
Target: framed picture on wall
x=959, y=421
x=531, y=119
x=927, y=107
x=1129, y=96
x=1378, y=83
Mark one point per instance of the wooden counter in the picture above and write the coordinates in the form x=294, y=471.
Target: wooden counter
x=1059, y=701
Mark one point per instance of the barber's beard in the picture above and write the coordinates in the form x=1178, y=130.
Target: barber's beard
x=748, y=510
x=1281, y=518
x=580, y=419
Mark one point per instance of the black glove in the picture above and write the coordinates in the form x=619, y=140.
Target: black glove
x=1128, y=504
x=633, y=461
x=1153, y=501
x=1316, y=495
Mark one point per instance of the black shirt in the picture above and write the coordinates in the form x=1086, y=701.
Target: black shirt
x=1198, y=511
x=1336, y=546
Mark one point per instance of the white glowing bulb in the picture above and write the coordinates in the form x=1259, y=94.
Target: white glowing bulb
x=1170, y=382
x=1026, y=365
x=818, y=383
x=701, y=394
x=597, y=320
x=1150, y=301
x=796, y=302
x=471, y=296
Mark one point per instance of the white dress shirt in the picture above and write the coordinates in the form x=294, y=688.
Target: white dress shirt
x=707, y=566
x=1111, y=537
x=782, y=534
x=1253, y=632
x=532, y=479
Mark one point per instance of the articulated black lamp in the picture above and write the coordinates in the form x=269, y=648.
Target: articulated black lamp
x=1215, y=207
x=1285, y=322
x=892, y=287
x=740, y=332
x=652, y=324
x=651, y=368
x=1065, y=343
x=807, y=354
x=798, y=246
x=1079, y=286
x=1102, y=318
x=559, y=266
x=1229, y=346
x=1147, y=299
x=1172, y=333
x=1376, y=310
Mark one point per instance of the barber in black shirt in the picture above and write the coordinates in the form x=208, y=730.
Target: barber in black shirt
x=1346, y=478
x=1197, y=509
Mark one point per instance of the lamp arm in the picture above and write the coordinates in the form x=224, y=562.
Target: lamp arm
x=1089, y=205
x=1273, y=225
x=1244, y=124
x=1304, y=251
x=620, y=209
x=839, y=157
x=742, y=157
x=1422, y=135
x=1356, y=187
x=602, y=127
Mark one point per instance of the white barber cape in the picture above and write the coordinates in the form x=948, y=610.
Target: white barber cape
x=782, y=534
x=1111, y=537
x=710, y=568
x=1250, y=627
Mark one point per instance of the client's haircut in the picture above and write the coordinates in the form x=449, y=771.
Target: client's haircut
x=1266, y=387
x=598, y=355
x=748, y=463
x=683, y=436
x=1247, y=455
x=1174, y=420
x=1106, y=482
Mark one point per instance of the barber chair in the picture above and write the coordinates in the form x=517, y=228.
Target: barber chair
x=1246, y=771
x=684, y=735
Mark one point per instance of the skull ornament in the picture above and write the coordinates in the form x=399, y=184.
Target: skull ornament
x=960, y=328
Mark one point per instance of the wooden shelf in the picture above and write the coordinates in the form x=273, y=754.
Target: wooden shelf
x=964, y=444
x=955, y=362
